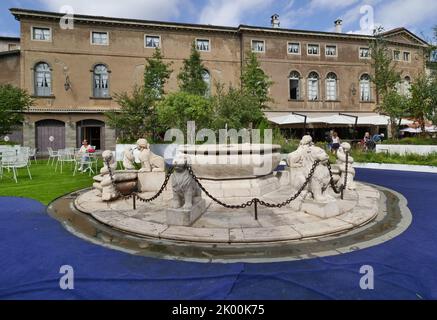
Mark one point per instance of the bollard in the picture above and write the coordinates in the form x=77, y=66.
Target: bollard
x=134, y=204
x=256, y=209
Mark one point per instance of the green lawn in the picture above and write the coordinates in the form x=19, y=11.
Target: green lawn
x=46, y=184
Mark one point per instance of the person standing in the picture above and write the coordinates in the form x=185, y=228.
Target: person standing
x=84, y=150
x=335, y=142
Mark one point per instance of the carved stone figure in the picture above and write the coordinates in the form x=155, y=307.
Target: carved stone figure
x=301, y=161
x=107, y=155
x=186, y=192
x=128, y=159
x=149, y=160
x=341, y=163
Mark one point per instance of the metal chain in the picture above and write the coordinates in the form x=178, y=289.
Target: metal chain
x=161, y=190
x=256, y=200
x=332, y=183
x=111, y=175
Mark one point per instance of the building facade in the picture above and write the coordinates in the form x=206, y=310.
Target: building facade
x=73, y=73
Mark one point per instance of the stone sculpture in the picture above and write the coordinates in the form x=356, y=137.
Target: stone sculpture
x=186, y=191
x=150, y=162
x=301, y=161
x=108, y=157
x=128, y=159
x=341, y=163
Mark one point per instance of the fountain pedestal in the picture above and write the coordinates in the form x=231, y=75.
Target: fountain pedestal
x=186, y=217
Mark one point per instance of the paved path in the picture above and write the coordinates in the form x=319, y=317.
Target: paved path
x=33, y=247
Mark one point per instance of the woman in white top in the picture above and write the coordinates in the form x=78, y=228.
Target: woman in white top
x=84, y=149
x=335, y=142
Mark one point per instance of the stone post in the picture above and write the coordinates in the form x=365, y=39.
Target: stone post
x=70, y=134
x=110, y=138
x=29, y=134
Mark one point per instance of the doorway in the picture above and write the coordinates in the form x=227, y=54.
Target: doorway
x=92, y=131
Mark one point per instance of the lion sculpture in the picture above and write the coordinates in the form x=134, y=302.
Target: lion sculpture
x=149, y=160
x=128, y=159
x=186, y=191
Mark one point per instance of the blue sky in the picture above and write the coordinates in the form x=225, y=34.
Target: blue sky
x=359, y=15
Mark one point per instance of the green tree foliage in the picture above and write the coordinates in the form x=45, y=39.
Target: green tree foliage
x=236, y=109
x=191, y=76
x=254, y=81
x=137, y=115
x=176, y=109
x=385, y=76
x=156, y=75
x=13, y=102
x=395, y=105
x=423, y=101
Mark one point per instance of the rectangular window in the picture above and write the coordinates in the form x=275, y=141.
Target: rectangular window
x=407, y=56
x=41, y=34
x=396, y=55
x=313, y=49
x=364, y=53
x=294, y=89
x=99, y=38
x=258, y=46
x=12, y=46
x=152, y=41
x=331, y=51
x=293, y=48
x=202, y=45
x=365, y=91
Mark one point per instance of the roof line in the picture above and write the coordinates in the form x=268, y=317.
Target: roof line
x=10, y=53
x=17, y=12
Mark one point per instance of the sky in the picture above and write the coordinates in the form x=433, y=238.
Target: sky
x=359, y=16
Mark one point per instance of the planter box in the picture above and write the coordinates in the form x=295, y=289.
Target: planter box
x=404, y=149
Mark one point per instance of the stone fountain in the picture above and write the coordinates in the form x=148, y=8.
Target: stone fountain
x=211, y=194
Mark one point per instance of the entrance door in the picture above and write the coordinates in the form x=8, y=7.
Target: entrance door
x=50, y=133
x=92, y=135
x=92, y=131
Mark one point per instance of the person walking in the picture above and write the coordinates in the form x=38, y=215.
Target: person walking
x=335, y=142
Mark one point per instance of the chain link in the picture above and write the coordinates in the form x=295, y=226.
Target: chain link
x=245, y=204
x=256, y=200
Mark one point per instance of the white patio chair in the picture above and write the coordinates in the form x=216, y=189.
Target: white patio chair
x=53, y=155
x=32, y=154
x=84, y=161
x=64, y=156
x=13, y=161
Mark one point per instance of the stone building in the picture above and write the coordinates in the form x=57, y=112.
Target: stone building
x=73, y=73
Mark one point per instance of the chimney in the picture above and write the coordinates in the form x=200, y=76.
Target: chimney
x=338, y=26
x=275, y=21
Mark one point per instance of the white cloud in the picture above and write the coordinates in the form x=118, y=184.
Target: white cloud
x=138, y=9
x=401, y=13
x=231, y=12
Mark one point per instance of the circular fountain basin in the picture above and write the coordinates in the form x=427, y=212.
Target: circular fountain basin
x=232, y=161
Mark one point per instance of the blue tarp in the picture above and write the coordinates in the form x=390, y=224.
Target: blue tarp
x=34, y=246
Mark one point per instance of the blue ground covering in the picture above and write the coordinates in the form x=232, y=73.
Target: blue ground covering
x=33, y=247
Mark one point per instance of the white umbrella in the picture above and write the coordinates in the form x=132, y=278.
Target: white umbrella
x=334, y=119
x=288, y=119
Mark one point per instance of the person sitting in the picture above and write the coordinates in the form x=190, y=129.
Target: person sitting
x=368, y=142
x=378, y=138
x=84, y=150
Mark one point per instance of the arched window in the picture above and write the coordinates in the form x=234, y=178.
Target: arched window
x=365, y=87
x=207, y=79
x=43, y=80
x=331, y=87
x=313, y=86
x=294, y=85
x=100, y=81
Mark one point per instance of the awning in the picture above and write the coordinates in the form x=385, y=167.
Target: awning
x=432, y=129
x=335, y=119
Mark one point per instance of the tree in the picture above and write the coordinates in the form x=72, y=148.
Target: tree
x=135, y=119
x=423, y=102
x=13, y=102
x=385, y=75
x=254, y=81
x=176, y=109
x=137, y=115
x=236, y=109
x=156, y=75
x=191, y=76
x=395, y=105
